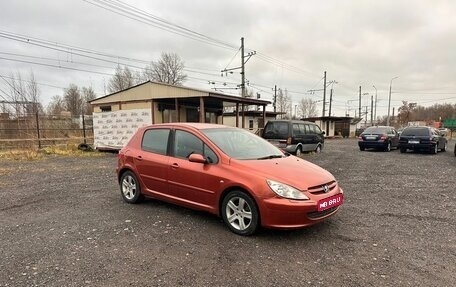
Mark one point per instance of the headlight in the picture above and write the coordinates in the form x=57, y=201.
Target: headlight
x=285, y=190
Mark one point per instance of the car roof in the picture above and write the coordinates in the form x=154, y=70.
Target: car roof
x=292, y=121
x=198, y=126
x=418, y=127
x=389, y=127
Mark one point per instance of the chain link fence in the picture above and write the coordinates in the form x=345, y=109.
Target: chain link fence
x=38, y=131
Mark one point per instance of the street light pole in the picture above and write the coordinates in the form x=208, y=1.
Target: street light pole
x=389, y=102
x=375, y=103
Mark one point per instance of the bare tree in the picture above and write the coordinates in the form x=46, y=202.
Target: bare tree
x=123, y=79
x=56, y=106
x=25, y=93
x=307, y=108
x=405, y=112
x=168, y=69
x=33, y=95
x=283, y=104
x=73, y=100
x=88, y=94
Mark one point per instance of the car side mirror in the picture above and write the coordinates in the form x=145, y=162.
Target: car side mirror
x=323, y=132
x=194, y=157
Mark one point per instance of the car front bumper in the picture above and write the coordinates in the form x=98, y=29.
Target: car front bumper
x=280, y=213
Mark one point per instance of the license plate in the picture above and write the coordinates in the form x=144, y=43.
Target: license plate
x=371, y=138
x=330, y=202
x=414, y=142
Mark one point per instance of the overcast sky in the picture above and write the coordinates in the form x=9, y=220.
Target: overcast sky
x=358, y=43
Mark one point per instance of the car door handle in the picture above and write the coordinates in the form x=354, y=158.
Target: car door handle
x=175, y=165
x=139, y=157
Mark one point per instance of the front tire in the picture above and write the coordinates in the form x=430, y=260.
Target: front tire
x=240, y=213
x=298, y=151
x=130, y=188
x=318, y=149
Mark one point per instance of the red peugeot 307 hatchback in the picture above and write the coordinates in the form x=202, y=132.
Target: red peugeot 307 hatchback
x=229, y=172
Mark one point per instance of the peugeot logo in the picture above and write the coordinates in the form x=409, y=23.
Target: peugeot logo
x=325, y=188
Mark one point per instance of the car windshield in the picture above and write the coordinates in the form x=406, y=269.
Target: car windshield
x=416, y=132
x=241, y=144
x=376, y=130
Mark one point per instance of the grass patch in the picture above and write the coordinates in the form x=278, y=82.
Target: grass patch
x=37, y=154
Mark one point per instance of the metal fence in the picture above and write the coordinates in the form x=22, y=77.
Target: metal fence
x=37, y=131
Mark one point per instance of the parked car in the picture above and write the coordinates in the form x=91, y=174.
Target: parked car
x=294, y=136
x=228, y=172
x=422, y=139
x=379, y=137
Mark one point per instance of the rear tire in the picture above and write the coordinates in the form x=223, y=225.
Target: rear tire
x=435, y=150
x=130, y=188
x=445, y=147
x=388, y=147
x=361, y=148
x=403, y=149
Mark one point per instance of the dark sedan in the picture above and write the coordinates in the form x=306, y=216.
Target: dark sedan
x=422, y=139
x=378, y=137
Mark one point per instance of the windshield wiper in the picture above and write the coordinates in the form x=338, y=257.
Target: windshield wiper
x=270, y=156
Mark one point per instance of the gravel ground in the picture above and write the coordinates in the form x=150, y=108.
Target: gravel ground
x=63, y=223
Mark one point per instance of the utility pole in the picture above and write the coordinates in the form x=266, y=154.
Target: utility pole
x=375, y=109
x=242, y=68
x=275, y=98
x=365, y=119
x=244, y=60
x=330, y=100
x=372, y=110
x=389, y=102
x=392, y=118
x=324, y=94
x=359, y=113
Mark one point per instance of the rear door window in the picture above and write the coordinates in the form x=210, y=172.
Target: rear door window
x=296, y=131
x=156, y=141
x=307, y=128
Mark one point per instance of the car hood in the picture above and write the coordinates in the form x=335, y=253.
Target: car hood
x=290, y=170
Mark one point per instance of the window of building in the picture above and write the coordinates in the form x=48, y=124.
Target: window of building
x=250, y=124
x=105, y=108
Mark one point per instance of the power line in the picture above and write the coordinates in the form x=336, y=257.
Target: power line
x=90, y=71
x=136, y=14
x=139, y=15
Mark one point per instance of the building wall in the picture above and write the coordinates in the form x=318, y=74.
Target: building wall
x=231, y=121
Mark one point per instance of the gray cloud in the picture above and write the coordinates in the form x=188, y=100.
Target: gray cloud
x=357, y=42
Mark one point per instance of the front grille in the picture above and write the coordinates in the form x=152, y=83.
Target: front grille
x=319, y=189
x=320, y=214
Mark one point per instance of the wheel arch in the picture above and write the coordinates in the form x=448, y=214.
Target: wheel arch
x=241, y=189
x=124, y=170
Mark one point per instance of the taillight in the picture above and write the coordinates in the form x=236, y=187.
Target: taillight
x=360, y=138
x=288, y=141
x=383, y=137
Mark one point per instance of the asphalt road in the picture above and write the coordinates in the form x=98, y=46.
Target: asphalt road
x=63, y=223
